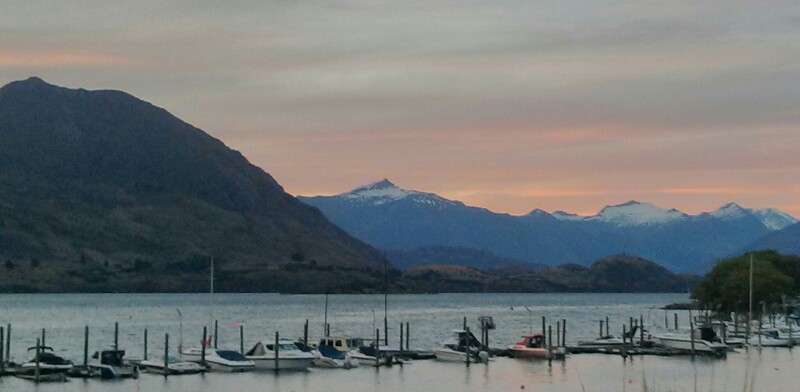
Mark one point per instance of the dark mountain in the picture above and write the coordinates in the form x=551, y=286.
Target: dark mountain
x=618, y=274
x=102, y=191
x=389, y=217
x=786, y=241
x=460, y=256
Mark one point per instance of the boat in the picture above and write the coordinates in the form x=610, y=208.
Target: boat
x=171, y=366
x=705, y=341
x=219, y=360
x=462, y=346
x=290, y=357
x=327, y=356
x=111, y=365
x=531, y=346
x=605, y=342
x=51, y=367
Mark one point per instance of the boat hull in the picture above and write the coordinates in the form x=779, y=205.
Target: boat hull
x=685, y=344
x=527, y=352
x=263, y=363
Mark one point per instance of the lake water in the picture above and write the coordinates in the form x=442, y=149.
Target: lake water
x=431, y=317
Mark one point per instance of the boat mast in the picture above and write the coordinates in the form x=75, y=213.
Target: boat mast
x=385, y=302
x=750, y=311
x=325, y=325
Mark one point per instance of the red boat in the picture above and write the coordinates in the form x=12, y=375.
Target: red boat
x=531, y=346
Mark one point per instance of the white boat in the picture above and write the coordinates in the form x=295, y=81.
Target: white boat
x=605, y=341
x=705, y=341
x=173, y=366
x=110, y=365
x=330, y=357
x=51, y=366
x=219, y=360
x=461, y=346
x=290, y=357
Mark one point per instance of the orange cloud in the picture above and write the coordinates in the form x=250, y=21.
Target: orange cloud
x=54, y=59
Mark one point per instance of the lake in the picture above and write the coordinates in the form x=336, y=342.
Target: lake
x=431, y=317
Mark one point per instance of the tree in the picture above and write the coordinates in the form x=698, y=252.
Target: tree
x=727, y=285
x=34, y=263
x=10, y=265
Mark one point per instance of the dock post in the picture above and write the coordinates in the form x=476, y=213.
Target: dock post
x=8, y=342
x=487, y=340
x=759, y=334
x=607, y=325
x=203, y=346
x=624, y=341
x=675, y=316
x=377, y=347
x=241, y=339
x=86, y=348
x=145, y=344
x=601, y=329
x=166, y=354
x=116, y=336
x=558, y=333
x=277, y=351
x=736, y=323
x=666, y=320
x=549, y=345
x=44, y=335
x=468, y=344
x=724, y=331
x=564, y=333
x=216, y=332
x=544, y=328
x=408, y=336
x=305, y=333
x=2, y=351
x=641, y=330
x=36, y=370
x=385, y=331
x=691, y=335
x=791, y=339
x=465, y=323
x=401, y=338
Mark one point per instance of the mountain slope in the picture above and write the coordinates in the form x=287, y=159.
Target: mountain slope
x=786, y=241
x=389, y=217
x=99, y=185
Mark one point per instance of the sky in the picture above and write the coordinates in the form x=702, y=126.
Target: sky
x=508, y=105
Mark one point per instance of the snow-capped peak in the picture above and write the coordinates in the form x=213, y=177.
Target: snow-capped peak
x=773, y=219
x=634, y=213
x=566, y=216
x=730, y=211
x=384, y=191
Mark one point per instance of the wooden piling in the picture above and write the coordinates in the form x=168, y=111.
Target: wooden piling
x=377, y=347
x=116, y=336
x=38, y=351
x=401, y=338
x=607, y=327
x=791, y=339
x=465, y=323
x=2, y=351
x=305, y=333
x=641, y=330
x=564, y=333
x=408, y=336
x=468, y=342
x=624, y=341
x=558, y=333
x=86, y=348
x=241, y=339
x=8, y=342
x=601, y=329
x=166, y=354
x=145, y=344
x=277, y=351
x=666, y=320
x=675, y=316
x=44, y=336
x=216, y=333
x=691, y=335
x=544, y=327
x=203, y=346
x=550, y=345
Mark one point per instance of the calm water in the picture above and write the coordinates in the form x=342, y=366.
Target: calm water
x=431, y=318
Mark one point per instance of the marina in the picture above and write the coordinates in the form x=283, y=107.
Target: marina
x=561, y=350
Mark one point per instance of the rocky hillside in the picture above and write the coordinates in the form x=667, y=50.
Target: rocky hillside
x=100, y=191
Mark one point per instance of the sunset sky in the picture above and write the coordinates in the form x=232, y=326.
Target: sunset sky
x=509, y=105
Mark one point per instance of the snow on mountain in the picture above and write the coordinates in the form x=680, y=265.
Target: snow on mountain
x=384, y=191
x=730, y=211
x=634, y=213
x=566, y=216
x=773, y=219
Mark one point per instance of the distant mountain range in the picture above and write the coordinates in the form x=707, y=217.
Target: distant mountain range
x=101, y=191
x=392, y=218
